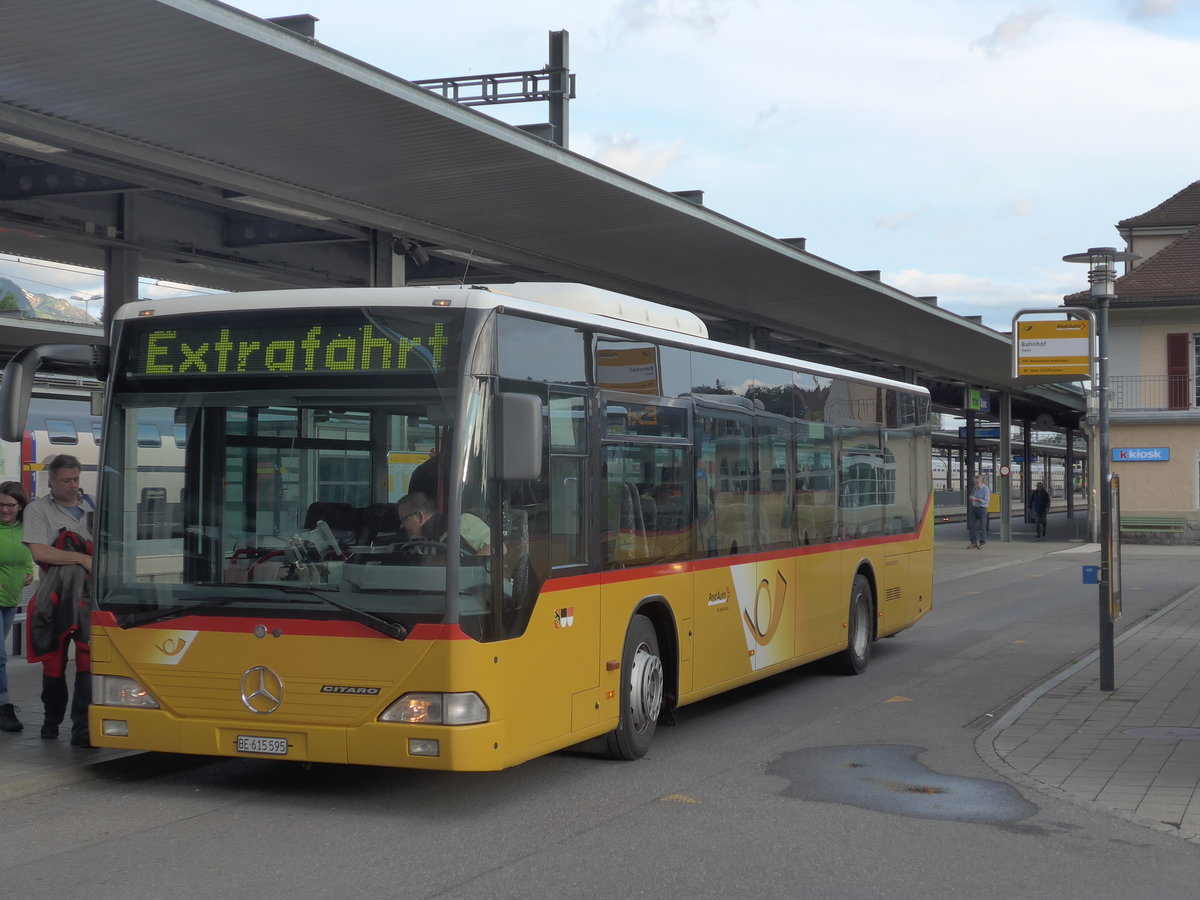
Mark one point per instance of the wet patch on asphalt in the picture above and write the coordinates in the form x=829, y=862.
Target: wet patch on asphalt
x=888, y=778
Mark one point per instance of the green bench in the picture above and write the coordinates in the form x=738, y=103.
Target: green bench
x=1153, y=524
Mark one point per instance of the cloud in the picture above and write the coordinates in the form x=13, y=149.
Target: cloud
x=703, y=16
x=997, y=302
x=1011, y=32
x=629, y=155
x=1021, y=207
x=895, y=221
x=1151, y=9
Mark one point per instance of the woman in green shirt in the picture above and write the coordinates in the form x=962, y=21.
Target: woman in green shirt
x=16, y=571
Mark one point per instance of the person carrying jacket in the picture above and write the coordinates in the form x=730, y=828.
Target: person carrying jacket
x=58, y=532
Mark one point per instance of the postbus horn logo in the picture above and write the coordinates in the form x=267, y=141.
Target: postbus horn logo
x=772, y=606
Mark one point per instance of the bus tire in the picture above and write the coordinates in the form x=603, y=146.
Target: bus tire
x=641, y=692
x=853, y=660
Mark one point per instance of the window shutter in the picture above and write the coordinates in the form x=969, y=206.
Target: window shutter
x=1178, y=370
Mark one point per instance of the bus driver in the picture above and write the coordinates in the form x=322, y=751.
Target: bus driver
x=420, y=518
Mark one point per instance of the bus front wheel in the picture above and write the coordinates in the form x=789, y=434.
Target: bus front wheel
x=641, y=692
x=853, y=660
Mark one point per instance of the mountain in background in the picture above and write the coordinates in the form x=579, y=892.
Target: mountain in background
x=17, y=302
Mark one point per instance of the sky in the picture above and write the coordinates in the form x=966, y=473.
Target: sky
x=961, y=147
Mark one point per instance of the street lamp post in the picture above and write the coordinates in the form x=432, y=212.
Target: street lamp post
x=1101, y=276
x=87, y=302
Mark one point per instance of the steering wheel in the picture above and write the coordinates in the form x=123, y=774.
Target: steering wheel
x=425, y=547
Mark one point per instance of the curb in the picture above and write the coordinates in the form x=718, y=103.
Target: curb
x=987, y=752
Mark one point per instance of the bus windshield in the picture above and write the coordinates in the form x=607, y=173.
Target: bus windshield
x=279, y=495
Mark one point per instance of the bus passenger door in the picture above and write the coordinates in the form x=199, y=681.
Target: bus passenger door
x=548, y=555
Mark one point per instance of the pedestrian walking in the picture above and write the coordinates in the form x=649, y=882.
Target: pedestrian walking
x=1039, y=506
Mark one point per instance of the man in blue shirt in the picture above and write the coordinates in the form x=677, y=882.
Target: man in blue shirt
x=977, y=513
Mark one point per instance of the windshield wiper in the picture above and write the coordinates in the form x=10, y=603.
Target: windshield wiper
x=172, y=612
x=383, y=626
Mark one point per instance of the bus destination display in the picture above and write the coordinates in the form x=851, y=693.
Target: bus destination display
x=288, y=349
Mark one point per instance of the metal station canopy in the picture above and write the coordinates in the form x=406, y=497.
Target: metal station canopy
x=232, y=152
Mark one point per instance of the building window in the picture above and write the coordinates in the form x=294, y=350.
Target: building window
x=1181, y=385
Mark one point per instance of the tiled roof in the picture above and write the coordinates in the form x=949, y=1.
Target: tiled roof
x=1181, y=209
x=1171, y=274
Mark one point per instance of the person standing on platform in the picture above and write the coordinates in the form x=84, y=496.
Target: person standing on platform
x=977, y=513
x=1039, y=505
x=58, y=532
x=16, y=572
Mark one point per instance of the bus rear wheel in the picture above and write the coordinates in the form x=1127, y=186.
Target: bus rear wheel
x=641, y=692
x=853, y=660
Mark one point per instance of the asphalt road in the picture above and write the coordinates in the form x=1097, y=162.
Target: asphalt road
x=756, y=793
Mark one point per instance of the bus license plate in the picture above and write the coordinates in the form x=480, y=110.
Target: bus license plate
x=247, y=743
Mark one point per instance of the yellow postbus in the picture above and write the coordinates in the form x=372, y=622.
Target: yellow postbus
x=628, y=517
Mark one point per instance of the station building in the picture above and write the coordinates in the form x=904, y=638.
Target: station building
x=1154, y=373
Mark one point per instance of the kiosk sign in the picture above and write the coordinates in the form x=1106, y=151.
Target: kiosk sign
x=1058, y=347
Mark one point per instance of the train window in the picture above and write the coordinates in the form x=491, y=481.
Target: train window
x=180, y=434
x=62, y=431
x=97, y=430
x=148, y=436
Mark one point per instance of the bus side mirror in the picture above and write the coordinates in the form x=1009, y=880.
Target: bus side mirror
x=66, y=359
x=521, y=426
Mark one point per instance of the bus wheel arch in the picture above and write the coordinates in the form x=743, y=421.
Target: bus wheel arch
x=860, y=624
x=643, y=684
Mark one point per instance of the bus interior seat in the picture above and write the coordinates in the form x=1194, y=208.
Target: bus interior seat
x=631, y=541
x=649, y=514
x=338, y=516
x=376, y=520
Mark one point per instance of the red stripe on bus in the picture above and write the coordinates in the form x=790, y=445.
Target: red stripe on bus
x=635, y=573
x=306, y=627
x=433, y=632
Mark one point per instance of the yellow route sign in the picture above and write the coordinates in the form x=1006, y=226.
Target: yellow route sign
x=1058, y=347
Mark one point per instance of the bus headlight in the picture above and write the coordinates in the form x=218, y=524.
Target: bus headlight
x=437, y=709
x=115, y=690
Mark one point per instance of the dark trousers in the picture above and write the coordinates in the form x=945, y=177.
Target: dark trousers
x=54, y=686
x=977, y=523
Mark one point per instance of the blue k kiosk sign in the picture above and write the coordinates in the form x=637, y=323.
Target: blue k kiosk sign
x=1141, y=454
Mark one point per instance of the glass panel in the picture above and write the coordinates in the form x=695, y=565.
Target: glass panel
x=809, y=397
x=566, y=504
x=541, y=351
x=815, y=495
x=712, y=374
x=772, y=389
x=773, y=497
x=648, y=505
x=61, y=431
x=270, y=506
x=631, y=367
x=725, y=484
x=148, y=435
x=863, y=484
x=626, y=417
x=568, y=423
